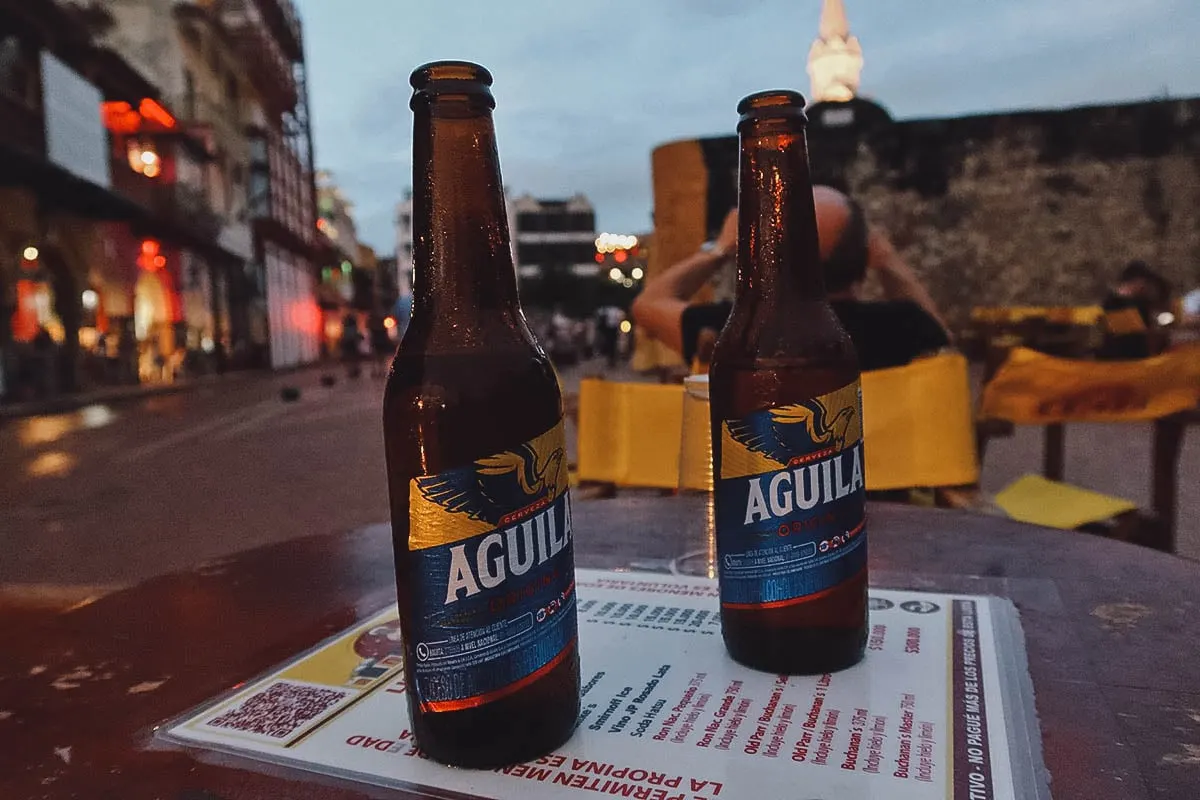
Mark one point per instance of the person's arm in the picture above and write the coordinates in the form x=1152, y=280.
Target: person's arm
x=898, y=280
x=658, y=310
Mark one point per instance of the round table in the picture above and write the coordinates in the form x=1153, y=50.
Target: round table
x=1112, y=633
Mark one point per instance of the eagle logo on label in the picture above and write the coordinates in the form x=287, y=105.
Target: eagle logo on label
x=796, y=429
x=491, y=491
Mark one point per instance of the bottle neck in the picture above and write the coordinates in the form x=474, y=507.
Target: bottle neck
x=463, y=275
x=779, y=258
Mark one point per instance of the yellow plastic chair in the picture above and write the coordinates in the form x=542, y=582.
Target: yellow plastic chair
x=918, y=429
x=918, y=425
x=629, y=433
x=1031, y=388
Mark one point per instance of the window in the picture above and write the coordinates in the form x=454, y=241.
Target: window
x=214, y=56
x=231, y=91
x=189, y=95
x=260, y=194
x=192, y=37
x=218, y=183
x=18, y=72
x=258, y=151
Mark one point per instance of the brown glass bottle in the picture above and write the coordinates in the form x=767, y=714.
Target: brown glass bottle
x=476, y=467
x=787, y=423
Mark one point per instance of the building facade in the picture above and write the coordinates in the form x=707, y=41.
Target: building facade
x=105, y=211
x=554, y=235
x=235, y=72
x=404, y=238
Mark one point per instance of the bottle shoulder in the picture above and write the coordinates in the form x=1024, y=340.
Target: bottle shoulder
x=803, y=335
x=442, y=410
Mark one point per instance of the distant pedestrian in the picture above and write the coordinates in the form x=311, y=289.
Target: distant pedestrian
x=1131, y=313
x=351, y=343
x=610, y=318
x=382, y=348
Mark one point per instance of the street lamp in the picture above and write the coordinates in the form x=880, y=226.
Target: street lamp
x=615, y=274
x=30, y=253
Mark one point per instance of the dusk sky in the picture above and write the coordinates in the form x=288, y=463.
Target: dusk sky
x=585, y=90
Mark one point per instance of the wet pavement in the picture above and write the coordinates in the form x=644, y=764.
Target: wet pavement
x=110, y=495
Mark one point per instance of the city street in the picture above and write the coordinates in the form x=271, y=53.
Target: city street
x=111, y=495
x=108, y=496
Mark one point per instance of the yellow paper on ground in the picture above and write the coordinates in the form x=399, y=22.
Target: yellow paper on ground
x=1041, y=501
x=1037, y=389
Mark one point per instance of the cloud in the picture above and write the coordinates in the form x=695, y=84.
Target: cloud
x=586, y=91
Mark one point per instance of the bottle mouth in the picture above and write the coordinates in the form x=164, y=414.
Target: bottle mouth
x=461, y=78
x=772, y=104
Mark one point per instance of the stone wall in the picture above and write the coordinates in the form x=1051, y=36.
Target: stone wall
x=1038, y=208
x=1028, y=208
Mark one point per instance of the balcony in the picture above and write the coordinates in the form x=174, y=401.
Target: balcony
x=23, y=129
x=21, y=96
x=269, y=57
x=179, y=207
x=281, y=16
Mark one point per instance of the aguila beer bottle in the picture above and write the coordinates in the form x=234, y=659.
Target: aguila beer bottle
x=787, y=423
x=476, y=461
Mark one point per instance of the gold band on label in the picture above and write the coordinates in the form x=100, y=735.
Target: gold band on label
x=535, y=471
x=832, y=420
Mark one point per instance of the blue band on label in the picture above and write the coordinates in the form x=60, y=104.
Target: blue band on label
x=492, y=582
x=493, y=609
x=790, y=501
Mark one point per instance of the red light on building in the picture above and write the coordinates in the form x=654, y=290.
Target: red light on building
x=119, y=117
x=599, y=258
x=621, y=256
x=151, y=111
x=151, y=257
x=304, y=316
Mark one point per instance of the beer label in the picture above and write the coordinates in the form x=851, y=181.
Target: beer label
x=493, y=583
x=790, y=497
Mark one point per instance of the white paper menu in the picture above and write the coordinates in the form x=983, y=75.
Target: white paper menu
x=667, y=715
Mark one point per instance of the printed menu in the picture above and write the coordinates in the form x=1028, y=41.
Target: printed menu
x=933, y=711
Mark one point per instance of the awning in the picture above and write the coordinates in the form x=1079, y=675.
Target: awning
x=59, y=189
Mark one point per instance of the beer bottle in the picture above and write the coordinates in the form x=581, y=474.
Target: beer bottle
x=476, y=461
x=787, y=423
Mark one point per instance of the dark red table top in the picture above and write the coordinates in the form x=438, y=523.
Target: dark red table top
x=1113, y=635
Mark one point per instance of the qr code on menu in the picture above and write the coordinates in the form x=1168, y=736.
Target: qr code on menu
x=279, y=711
